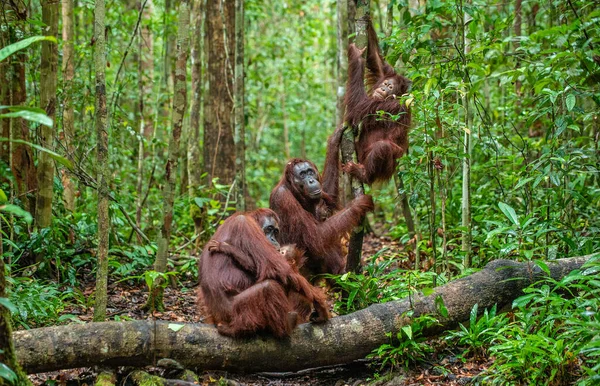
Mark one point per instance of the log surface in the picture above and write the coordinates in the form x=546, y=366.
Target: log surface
x=341, y=340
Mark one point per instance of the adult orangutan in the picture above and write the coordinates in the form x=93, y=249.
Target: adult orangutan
x=309, y=212
x=247, y=286
x=383, y=137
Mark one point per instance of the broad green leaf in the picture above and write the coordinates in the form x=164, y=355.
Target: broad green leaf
x=17, y=211
x=9, y=306
x=509, y=212
x=570, y=102
x=3, y=197
x=12, y=48
x=543, y=266
x=408, y=331
x=36, y=117
x=7, y=373
x=175, y=327
x=57, y=157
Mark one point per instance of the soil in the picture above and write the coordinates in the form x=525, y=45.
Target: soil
x=126, y=299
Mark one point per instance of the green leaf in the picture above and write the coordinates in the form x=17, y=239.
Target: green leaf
x=3, y=197
x=509, y=212
x=175, y=327
x=6, y=303
x=543, y=266
x=30, y=115
x=57, y=157
x=7, y=373
x=570, y=102
x=17, y=211
x=408, y=331
x=12, y=48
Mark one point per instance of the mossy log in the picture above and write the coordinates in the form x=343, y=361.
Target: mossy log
x=340, y=340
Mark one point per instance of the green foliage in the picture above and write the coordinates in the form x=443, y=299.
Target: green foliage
x=12, y=48
x=555, y=336
x=479, y=333
x=380, y=282
x=38, y=303
x=408, y=346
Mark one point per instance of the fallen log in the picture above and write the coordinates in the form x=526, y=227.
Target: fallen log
x=340, y=340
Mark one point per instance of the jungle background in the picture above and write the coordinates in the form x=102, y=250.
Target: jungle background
x=139, y=126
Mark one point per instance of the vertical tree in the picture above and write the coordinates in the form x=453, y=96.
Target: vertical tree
x=219, y=147
x=239, y=135
x=194, y=164
x=68, y=69
x=102, y=161
x=348, y=150
x=22, y=164
x=48, y=76
x=145, y=81
x=463, y=20
x=155, y=298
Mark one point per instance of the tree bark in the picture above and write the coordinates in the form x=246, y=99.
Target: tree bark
x=48, y=76
x=22, y=164
x=219, y=147
x=194, y=165
x=179, y=108
x=102, y=161
x=68, y=68
x=353, y=260
x=466, y=223
x=341, y=340
x=145, y=83
x=239, y=137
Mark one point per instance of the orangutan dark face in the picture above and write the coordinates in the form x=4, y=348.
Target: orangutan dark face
x=306, y=180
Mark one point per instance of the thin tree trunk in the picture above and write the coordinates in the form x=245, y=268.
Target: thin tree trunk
x=48, y=76
x=466, y=181
x=68, y=68
x=102, y=161
x=517, y=44
x=219, y=146
x=145, y=82
x=194, y=165
x=353, y=260
x=155, y=298
x=239, y=137
x=286, y=133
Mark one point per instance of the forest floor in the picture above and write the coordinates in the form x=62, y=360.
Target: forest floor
x=126, y=299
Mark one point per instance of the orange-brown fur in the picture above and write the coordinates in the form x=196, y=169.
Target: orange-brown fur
x=245, y=283
x=382, y=140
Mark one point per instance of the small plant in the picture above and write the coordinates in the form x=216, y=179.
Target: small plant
x=408, y=346
x=479, y=333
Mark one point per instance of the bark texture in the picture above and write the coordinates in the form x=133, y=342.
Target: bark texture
x=219, y=147
x=340, y=340
x=239, y=131
x=48, y=78
x=102, y=160
x=68, y=68
x=348, y=150
x=179, y=109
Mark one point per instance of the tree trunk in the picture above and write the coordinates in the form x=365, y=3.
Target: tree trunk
x=467, y=148
x=22, y=164
x=145, y=82
x=155, y=297
x=353, y=260
x=239, y=137
x=102, y=160
x=194, y=165
x=68, y=68
x=341, y=340
x=48, y=76
x=219, y=147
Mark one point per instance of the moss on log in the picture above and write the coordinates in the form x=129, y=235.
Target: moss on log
x=340, y=340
